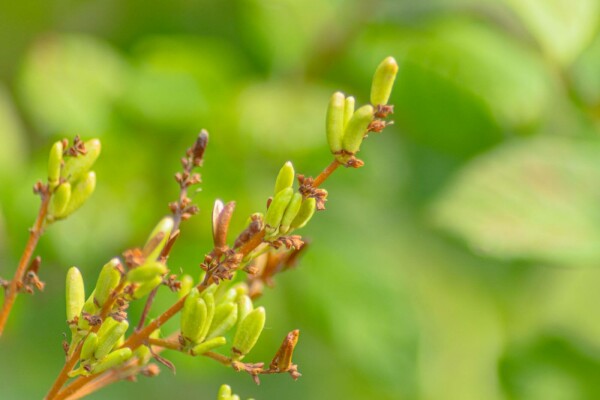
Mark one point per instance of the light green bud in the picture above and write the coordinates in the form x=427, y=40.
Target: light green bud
x=357, y=128
x=88, y=307
x=248, y=332
x=307, y=210
x=158, y=238
x=187, y=282
x=75, y=168
x=383, y=81
x=334, y=125
x=290, y=213
x=89, y=346
x=55, y=164
x=285, y=178
x=60, y=201
x=75, y=293
x=348, y=110
x=209, y=299
x=209, y=345
x=235, y=397
x=145, y=288
x=225, y=318
x=80, y=192
x=112, y=360
x=224, y=393
x=108, y=338
x=245, y=306
x=146, y=272
x=108, y=280
x=276, y=210
x=193, y=316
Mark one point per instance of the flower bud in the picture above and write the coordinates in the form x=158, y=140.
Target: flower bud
x=145, y=288
x=226, y=316
x=89, y=307
x=89, y=346
x=209, y=299
x=187, y=282
x=55, y=164
x=75, y=293
x=357, y=128
x=112, y=360
x=290, y=213
x=80, y=192
x=276, y=210
x=285, y=178
x=193, y=316
x=334, y=126
x=107, y=281
x=245, y=306
x=60, y=201
x=248, y=332
x=158, y=238
x=146, y=272
x=76, y=167
x=108, y=337
x=224, y=393
x=209, y=345
x=348, y=109
x=307, y=210
x=383, y=81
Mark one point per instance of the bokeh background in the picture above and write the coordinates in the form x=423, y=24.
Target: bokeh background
x=460, y=263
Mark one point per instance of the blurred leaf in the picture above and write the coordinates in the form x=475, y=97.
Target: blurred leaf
x=533, y=199
x=585, y=76
x=69, y=83
x=12, y=137
x=562, y=27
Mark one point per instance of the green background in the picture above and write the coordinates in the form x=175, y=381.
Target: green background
x=460, y=263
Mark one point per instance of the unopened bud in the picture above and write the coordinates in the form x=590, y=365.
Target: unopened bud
x=75, y=293
x=276, y=211
x=76, y=167
x=383, y=81
x=357, y=128
x=226, y=316
x=112, y=360
x=55, y=164
x=146, y=287
x=224, y=393
x=285, y=178
x=108, y=337
x=248, y=332
x=334, y=126
x=307, y=210
x=146, y=272
x=60, y=201
x=89, y=347
x=290, y=213
x=193, y=316
x=348, y=109
x=187, y=282
x=158, y=238
x=209, y=299
x=209, y=345
x=108, y=280
x=80, y=192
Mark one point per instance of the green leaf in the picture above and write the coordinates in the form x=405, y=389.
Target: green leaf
x=529, y=199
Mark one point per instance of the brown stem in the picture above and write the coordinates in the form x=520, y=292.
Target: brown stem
x=322, y=177
x=218, y=357
x=34, y=236
x=167, y=344
x=147, y=308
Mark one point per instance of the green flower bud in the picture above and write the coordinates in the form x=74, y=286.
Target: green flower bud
x=276, y=210
x=88, y=307
x=235, y=397
x=108, y=280
x=357, y=128
x=158, y=238
x=209, y=299
x=60, y=201
x=75, y=293
x=290, y=213
x=187, y=282
x=89, y=346
x=76, y=167
x=193, y=316
x=348, y=110
x=334, y=126
x=108, y=338
x=248, y=332
x=209, y=345
x=245, y=306
x=307, y=210
x=54, y=164
x=285, y=178
x=224, y=393
x=80, y=192
x=112, y=360
x=143, y=353
x=226, y=296
x=383, y=81
x=146, y=287
x=225, y=318
x=146, y=272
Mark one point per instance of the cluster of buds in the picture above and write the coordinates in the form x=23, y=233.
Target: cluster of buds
x=346, y=127
x=70, y=180
x=225, y=393
x=287, y=210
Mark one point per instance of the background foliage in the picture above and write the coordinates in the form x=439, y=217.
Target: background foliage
x=459, y=263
